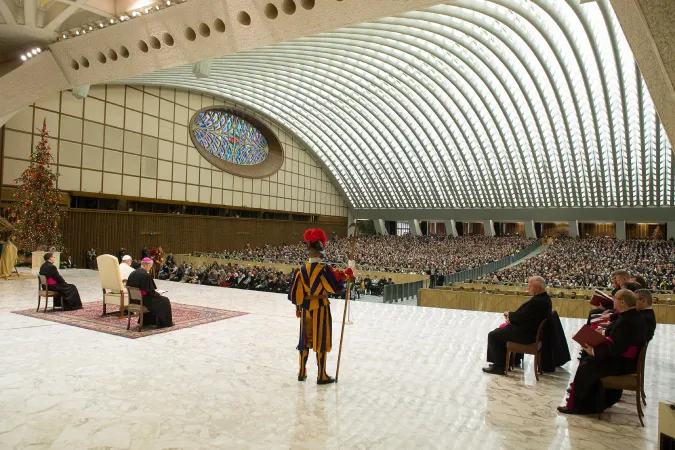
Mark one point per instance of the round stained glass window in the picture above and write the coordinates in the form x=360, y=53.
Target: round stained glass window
x=235, y=142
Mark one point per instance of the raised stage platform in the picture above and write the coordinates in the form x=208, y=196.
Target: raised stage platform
x=500, y=302
x=410, y=378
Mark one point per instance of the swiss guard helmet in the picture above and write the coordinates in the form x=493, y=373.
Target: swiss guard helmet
x=316, y=239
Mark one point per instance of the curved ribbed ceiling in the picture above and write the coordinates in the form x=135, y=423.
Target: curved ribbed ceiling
x=474, y=104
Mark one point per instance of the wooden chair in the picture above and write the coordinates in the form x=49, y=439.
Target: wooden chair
x=526, y=349
x=136, y=306
x=634, y=382
x=46, y=293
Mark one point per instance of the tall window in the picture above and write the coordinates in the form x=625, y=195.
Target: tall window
x=402, y=228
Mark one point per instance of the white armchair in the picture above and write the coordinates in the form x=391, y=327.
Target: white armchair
x=114, y=292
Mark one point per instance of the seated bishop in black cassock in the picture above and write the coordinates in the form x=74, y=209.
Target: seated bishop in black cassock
x=644, y=305
x=68, y=296
x=160, y=307
x=620, y=357
x=521, y=325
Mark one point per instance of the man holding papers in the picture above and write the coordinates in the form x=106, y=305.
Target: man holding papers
x=521, y=326
x=602, y=301
x=160, y=307
x=618, y=356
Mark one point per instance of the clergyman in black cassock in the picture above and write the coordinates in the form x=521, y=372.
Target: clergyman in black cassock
x=644, y=305
x=159, y=306
x=619, y=277
x=521, y=326
x=68, y=296
x=620, y=357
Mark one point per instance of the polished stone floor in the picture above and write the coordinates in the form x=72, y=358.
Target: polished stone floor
x=410, y=378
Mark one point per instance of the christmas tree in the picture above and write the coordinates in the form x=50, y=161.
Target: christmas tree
x=36, y=212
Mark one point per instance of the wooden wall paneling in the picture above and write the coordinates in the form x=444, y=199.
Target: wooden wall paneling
x=643, y=230
x=599, y=229
x=555, y=229
x=515, y=227
x=107, y=231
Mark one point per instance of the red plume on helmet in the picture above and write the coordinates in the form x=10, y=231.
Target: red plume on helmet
x=314, y=235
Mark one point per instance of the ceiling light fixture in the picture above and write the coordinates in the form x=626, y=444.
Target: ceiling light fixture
x=23, y=57
x=101, y=25
x=168, y=3
x=112, y=20
x=63, y=36
x=34, y=52
x=77, y=33
x=157, y=7
x=90, y=28
x=39, y=50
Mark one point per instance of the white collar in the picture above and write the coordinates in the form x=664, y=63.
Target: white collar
x=314, y=260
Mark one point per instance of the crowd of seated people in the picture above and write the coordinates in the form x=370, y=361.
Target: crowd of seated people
x=375, y=285
x=258, y=278
x=589, y=262
x=400, y=254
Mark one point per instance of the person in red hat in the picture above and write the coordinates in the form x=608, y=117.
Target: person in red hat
x=309, y=293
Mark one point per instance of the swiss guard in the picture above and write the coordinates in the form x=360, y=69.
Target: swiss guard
x=311, y=286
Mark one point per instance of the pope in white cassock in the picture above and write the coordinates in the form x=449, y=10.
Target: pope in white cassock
x=125, y=267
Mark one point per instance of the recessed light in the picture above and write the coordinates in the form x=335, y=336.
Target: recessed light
x=77, y=32
x=100, y=25
x=90, y=28
x=39, y=50
x=63, y=36
x=23, y=57
x=34, y=51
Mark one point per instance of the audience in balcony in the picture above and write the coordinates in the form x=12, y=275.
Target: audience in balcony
x=402, y=254
x=590, y=262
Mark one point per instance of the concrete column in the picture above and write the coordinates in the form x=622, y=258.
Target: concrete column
x=621, y=230
x=530, y=231
x=380, y=227
x=81, y=92
x=573, y=228
x=450, y=228
x=202, y=69
x=670, y=230
x=489, y=228
x=415, y=229
x=350, y=222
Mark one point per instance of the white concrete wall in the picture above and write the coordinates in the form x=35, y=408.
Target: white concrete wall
x=133, y=141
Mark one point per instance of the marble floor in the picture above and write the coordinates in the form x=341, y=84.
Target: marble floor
x=410, y=378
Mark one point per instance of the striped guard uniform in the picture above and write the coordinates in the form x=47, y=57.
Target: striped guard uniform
x=311, y=286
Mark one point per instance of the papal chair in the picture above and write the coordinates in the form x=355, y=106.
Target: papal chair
x=112, y=284
x=513, y=348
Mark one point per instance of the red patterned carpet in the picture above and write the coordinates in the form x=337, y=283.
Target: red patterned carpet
x=89, y=317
